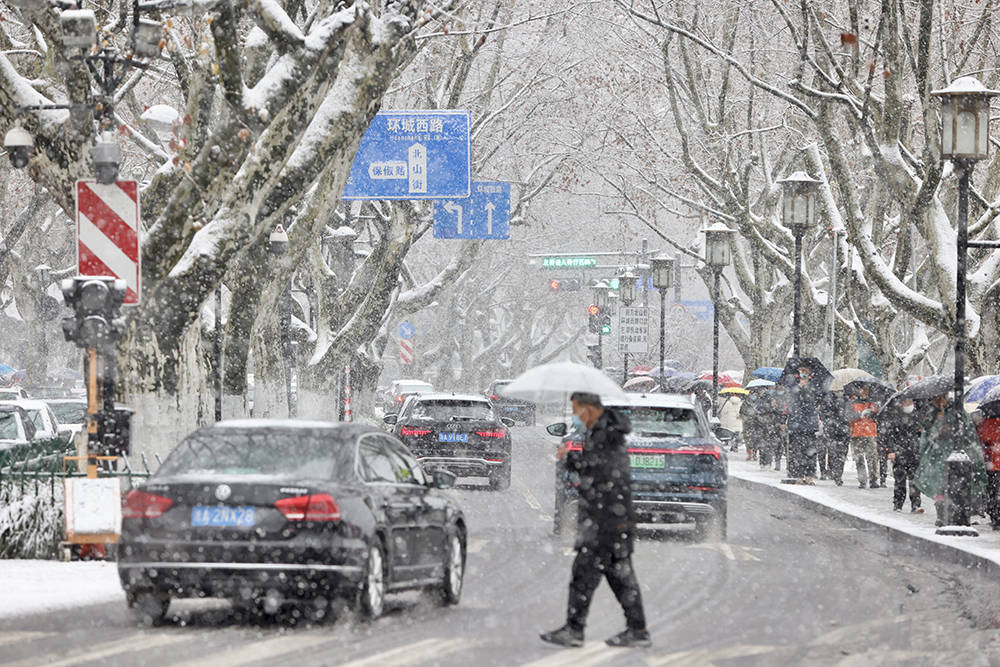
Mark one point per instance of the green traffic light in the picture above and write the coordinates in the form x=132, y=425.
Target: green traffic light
x=615, y=283
x=606, y=329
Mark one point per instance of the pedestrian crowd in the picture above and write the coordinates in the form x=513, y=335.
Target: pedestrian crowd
x=815, y=429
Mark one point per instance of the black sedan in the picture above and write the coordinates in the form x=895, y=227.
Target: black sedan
x=514, y=408
x=269, y=512
x=456, y=432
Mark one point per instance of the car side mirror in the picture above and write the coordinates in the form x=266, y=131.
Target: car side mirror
x=443, y=479
x=390, y=419
x=507, y=421
x=559, y=429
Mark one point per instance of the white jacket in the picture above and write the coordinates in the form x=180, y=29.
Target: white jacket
x=729, y=413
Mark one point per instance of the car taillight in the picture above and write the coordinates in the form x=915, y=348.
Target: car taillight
x=142, y=505
x=399, y=399
x=407, y=430
x=574, y=446
x=702, y=488
x=315, y=507
x=493, y=397
x=495, y=433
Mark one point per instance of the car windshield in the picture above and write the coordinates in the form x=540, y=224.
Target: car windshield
x=38, y=419
x=500, y=386
x=452, y=410
x=8, y=426
x=676, y=422
x=297, y=454
x=70, y=413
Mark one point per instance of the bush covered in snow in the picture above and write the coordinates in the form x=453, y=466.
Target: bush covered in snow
x=31, y=523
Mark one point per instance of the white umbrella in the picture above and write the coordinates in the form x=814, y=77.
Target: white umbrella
x=554, y=382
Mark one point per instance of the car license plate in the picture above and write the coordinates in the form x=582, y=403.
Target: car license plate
x=453, y=437
x=647, y=460
x=223, y=516
x=510, y=408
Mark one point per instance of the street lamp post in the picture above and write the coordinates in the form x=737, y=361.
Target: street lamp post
x=718, y=254
x=965, y=130
x=798, y=213
x=627, y=289
x=601, y=301
x=662, y=267
x=279, y=244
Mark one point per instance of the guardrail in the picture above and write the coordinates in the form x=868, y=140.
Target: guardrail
x=41, y=466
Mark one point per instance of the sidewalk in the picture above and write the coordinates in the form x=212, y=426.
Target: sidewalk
x=873, y=506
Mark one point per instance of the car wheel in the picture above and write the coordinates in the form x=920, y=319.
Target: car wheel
x=454, y=569
x=500, y=480
x=149, y=607
x=373, y=590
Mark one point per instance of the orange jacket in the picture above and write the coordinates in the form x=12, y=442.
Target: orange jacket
x=988, y=431
x=863, y=427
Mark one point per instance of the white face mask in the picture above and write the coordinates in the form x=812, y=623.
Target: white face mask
x=908, y=408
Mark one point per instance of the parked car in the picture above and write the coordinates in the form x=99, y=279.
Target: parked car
x=13, y=394
x=71, y=413
x=399, y=390
x=679, y=469
x=16, y=429
x=516, y=408
x=272, y=512
x=47, y=427
x=460, y=433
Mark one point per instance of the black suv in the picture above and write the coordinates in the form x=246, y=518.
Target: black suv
x=515, y=408
x=460, y=433
x=679, y=469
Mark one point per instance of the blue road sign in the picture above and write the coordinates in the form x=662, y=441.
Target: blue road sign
x=406, y=330
x=703, y=311
x=485, y=214
x=412, y=155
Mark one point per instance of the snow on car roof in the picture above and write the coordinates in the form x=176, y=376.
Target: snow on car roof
x=445, y=396
x=653, y=401
x=28, y=403
x=281, y=423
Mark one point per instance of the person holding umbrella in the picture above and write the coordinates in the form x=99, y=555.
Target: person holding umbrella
x=836, y=432
x=804, y=379
x=988, y=431
x=938, y=441
x=899, y=431
x=860, y=411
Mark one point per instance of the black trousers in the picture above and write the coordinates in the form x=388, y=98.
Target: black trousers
x=993, y=496
x=588, y=568
x=838, y=449
x=801, y=454
x=904, y=468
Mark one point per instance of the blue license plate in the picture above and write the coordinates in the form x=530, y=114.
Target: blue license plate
x=453, y=437
x=223, y=516
x=510, y=408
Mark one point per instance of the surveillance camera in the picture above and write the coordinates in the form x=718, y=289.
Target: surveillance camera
x=19, y=146
x=106, y=156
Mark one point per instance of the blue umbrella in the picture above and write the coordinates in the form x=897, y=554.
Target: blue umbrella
x=6, y=370
x=981, y=388
x=769, y=373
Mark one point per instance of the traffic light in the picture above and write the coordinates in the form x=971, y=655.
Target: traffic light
x=554, y=285
x=605, y=319
x=571, y=284
x=594, y=319
x=594, y=355
x=96, y=304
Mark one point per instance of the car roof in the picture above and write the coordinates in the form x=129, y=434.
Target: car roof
x=8, y=406
x=653, y=401
x=79, y=401
x=29, y=403
x=446, y=396
x=399, y=382
x=349, y=428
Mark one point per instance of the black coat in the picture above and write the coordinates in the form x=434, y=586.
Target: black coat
x=606, y=515
x=899, y=433
x=831, y=410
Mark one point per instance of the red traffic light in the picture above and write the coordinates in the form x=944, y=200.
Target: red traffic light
x=593, y=310
x=553, y=285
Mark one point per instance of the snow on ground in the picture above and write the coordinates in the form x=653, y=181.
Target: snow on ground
x=874, y=505
x=36, y=586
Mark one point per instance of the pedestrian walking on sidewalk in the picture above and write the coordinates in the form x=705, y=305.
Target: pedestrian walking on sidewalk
x=988, y=432
x=860, y=412
x=836, y=433
x=605, y=527
x=803, y=424
x=730, y=419
x=769, y=420
x=751, y=427
x=899, y=432
x=938, y=441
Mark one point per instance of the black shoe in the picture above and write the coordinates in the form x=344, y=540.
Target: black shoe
x=564, y=636
x=839, y=482
x=897, y=509
x=862, y=486
x=630, y=639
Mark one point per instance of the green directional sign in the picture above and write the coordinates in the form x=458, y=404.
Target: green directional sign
x=569, y=262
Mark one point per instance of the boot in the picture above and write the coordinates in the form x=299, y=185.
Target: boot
x=939, y=508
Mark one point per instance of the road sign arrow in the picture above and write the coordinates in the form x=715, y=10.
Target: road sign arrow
x=490, y=207
x=452, y=207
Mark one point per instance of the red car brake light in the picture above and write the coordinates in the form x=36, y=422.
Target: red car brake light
x=315, y=507
x=493, y=433
x=494, y=397
x=574, y=446
x=141, y=505
x=408, y=430
x=711, y=451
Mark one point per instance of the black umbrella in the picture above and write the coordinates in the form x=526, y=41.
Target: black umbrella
x=935, y=385
x=821, y=377
x=990, y=405
x=877, y=390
